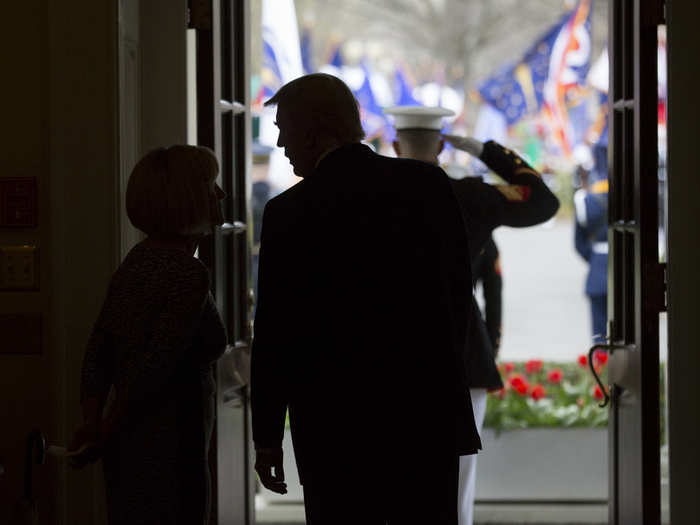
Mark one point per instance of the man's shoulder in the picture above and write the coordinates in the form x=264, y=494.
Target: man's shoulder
x=285, y=199
x=415, y=173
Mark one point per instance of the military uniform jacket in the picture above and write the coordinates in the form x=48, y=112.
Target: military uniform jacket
x=364, y=284
x=524, y=201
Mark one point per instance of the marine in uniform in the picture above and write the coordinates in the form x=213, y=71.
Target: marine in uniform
x=524, y=200
x=591, y=239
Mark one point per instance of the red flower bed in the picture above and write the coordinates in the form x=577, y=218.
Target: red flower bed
x=600, y=357
x=555, y=375
x=544, y=394
x=538, y=392
x=533, y=366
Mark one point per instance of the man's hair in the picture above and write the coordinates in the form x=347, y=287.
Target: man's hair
x=169, y=191
x=419, y=143
x=322, y=104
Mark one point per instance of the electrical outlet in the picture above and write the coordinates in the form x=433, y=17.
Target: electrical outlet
x=18, y=268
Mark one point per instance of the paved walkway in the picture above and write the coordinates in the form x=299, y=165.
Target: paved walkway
x=545, y=311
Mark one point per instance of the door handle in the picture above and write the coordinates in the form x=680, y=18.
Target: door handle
x=235, y=227
x=234, y=371
x=607, y=348
x=623, y=363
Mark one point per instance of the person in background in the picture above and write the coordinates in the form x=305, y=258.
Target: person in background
x=523, y=201
x=591, y=238
x=153, y=346
x=364, y=268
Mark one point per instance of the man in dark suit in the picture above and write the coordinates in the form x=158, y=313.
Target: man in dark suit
x=364, y=293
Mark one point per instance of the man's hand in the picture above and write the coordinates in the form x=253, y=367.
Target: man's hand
x=267, y=459
x=468, y=144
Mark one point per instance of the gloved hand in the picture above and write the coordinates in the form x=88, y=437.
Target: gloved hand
x=468, y=144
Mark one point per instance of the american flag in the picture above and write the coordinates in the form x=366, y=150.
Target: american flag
x=558, y=61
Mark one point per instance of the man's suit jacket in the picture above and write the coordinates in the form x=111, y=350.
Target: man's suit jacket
x=363, y=303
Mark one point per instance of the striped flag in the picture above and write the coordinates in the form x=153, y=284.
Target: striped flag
x=558, y=61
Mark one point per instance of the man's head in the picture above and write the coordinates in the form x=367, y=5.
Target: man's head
x=418, y=132
x=419, y=144
x=315, y=114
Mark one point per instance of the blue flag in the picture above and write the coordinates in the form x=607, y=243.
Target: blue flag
x=404, y=96
x=307, y=51
x=560, y=58
x=335, y=58
x=374, y=122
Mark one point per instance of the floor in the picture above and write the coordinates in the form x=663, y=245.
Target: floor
x=485, y=513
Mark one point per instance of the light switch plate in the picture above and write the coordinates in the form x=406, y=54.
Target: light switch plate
x=19, y=268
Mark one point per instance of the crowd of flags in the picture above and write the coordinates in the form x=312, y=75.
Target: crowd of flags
x=553, y=86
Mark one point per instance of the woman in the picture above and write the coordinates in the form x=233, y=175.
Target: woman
x=154, y=344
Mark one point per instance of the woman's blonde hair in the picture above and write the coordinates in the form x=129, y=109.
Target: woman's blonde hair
x=170, y=191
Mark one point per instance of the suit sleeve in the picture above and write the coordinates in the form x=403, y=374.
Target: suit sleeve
x=526, y=198
x=269, y=384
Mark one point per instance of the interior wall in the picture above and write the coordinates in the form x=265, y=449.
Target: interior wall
x=25, y=379
x=163, y=26
x=683, y=260
x=83, y=160
x=59, y=115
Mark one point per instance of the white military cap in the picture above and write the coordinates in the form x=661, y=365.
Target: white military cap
x=418, y=117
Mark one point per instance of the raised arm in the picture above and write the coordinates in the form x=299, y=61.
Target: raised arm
x=526, y=199
x=529, y=200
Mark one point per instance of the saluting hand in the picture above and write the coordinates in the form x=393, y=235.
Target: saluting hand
x=468, y=144
x=267, y=460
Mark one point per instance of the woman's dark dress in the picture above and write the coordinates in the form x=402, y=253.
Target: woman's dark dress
x=155, y=342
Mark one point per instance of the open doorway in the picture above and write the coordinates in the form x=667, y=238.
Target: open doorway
x=547, y=318
x=490, y=63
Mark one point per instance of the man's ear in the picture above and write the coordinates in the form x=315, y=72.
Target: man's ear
x=397, y=148
x=441, y=146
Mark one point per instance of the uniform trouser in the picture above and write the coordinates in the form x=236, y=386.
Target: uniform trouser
x=599, y=317
x=467, y=464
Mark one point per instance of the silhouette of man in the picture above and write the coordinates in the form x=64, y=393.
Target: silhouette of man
x=363, y=295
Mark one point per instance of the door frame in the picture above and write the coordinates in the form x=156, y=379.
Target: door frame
x=222, y=34
x=636, y=277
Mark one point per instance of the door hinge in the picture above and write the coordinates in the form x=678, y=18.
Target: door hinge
x=200, y=14
x=662, y=281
